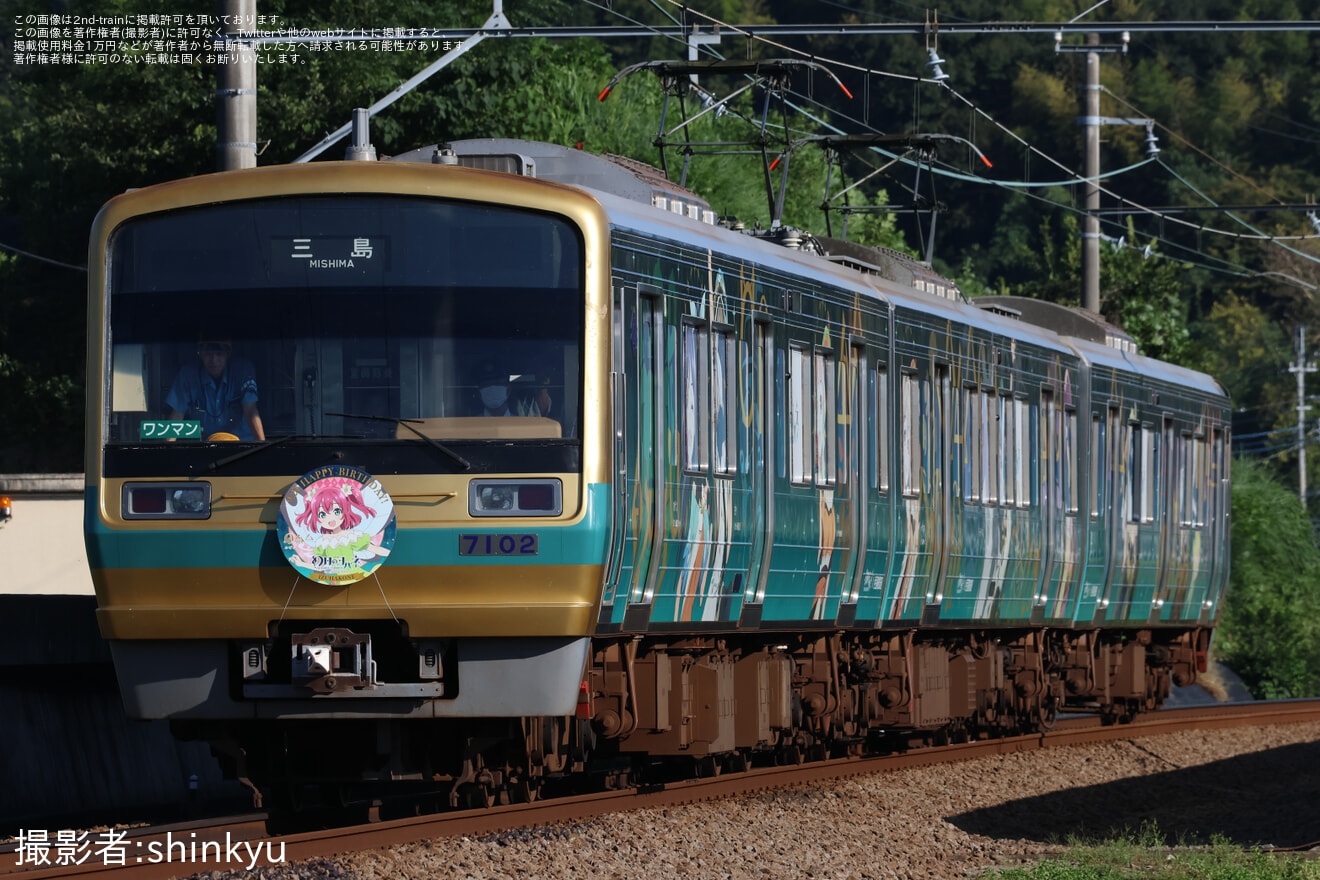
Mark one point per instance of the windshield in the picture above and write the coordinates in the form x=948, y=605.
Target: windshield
x=335, y=316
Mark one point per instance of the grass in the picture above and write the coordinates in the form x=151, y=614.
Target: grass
x=1144, y=855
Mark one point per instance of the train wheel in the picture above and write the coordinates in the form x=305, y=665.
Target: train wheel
x=288, y=796
x=521, y=791
x=789, y=755
x=475, y=796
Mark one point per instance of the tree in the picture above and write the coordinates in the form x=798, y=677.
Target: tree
x=1144, y=296
x=1269, y=631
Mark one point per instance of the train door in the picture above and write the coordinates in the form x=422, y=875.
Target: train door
x=1064, y=516
x=878, y=425
x=1047, y=474
x=1165, y=527
x=1196, y=555
x=941, y=487
x=1138, y=567
x=816, y=373
x=1099, y=459
x=1217, y=522
x=919, y=554
x=980, y=536
x=853, y=479
x=691, y=578
x=637, y=386
x=759, y=415
x=969, y=559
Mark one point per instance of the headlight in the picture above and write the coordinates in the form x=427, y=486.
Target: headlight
x=515, y=497
x=166, y=500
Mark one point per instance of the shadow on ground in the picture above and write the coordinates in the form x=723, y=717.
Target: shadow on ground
x=1270, y=797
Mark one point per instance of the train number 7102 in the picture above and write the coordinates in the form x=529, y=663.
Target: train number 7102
x=497, y=545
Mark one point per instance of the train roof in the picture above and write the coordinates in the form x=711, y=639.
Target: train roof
x=1132, y=362
x=639, y=196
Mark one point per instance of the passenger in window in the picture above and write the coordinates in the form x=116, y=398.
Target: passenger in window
x=219, y=391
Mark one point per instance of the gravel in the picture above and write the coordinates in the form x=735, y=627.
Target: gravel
x=1248, y=786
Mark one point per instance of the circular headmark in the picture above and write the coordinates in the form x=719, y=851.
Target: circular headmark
x=336, y=525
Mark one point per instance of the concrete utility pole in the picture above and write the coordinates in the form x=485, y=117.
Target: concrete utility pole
x=236, y=90
x=1301, y=367
x=1092, y=121
x=1091, y=235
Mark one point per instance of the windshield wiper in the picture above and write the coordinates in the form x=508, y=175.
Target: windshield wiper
x=467, y=465
x=267, y=444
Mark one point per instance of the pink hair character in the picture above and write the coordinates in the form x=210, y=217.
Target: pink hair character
x=336, y=505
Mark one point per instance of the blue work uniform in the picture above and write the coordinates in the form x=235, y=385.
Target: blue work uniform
x=217, y=404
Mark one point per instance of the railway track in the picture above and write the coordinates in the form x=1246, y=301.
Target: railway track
x=236, y=843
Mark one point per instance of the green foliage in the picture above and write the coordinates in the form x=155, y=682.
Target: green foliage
x=1144, y=297
x=1147, y=855
x=1245, y=350
x=43, y=415
x=1270, y=633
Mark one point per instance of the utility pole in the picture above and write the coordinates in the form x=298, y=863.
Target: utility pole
x=236, y=89
x=1300, y=368
x=1091, y=236
x=1091, y=122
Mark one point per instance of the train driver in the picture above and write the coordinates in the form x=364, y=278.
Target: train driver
x=218, y=390
x=493, y=387
x=522, y=395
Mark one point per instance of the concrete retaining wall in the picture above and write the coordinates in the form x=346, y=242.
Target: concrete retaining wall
x=66, y=748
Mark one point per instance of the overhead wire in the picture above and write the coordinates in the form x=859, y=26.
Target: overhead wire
x=1267, y=452
x=1074, y=178
x=1191, y=146
x=28, y=254
x=1244, y=272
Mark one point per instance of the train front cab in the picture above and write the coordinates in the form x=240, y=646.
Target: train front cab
x=370, y=298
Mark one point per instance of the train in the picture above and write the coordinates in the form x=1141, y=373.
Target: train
x=498, y=466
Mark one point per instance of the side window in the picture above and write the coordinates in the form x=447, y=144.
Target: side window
x=696, y=398
x=910, y=417
x=1219, y=478
x=1007, y=477
x=724, y=388
x=1022, y=452
x=1200, y=482
x=1037, y=488
x=1142, y=474
x=799, y=397
x=1193, y=479
x=825, y=406
x=1182, y=488
x=1048, y=456
x=1095, y=465
x=1070, y=465
x=880, y=419
x=783, y=415
x=971, y=441
x=1133, y=502
x=1150, y=465
x=989, y=449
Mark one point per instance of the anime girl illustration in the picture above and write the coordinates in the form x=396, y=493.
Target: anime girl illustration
x=337, y=529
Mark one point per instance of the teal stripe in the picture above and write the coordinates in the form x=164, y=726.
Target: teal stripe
x=582, y=543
